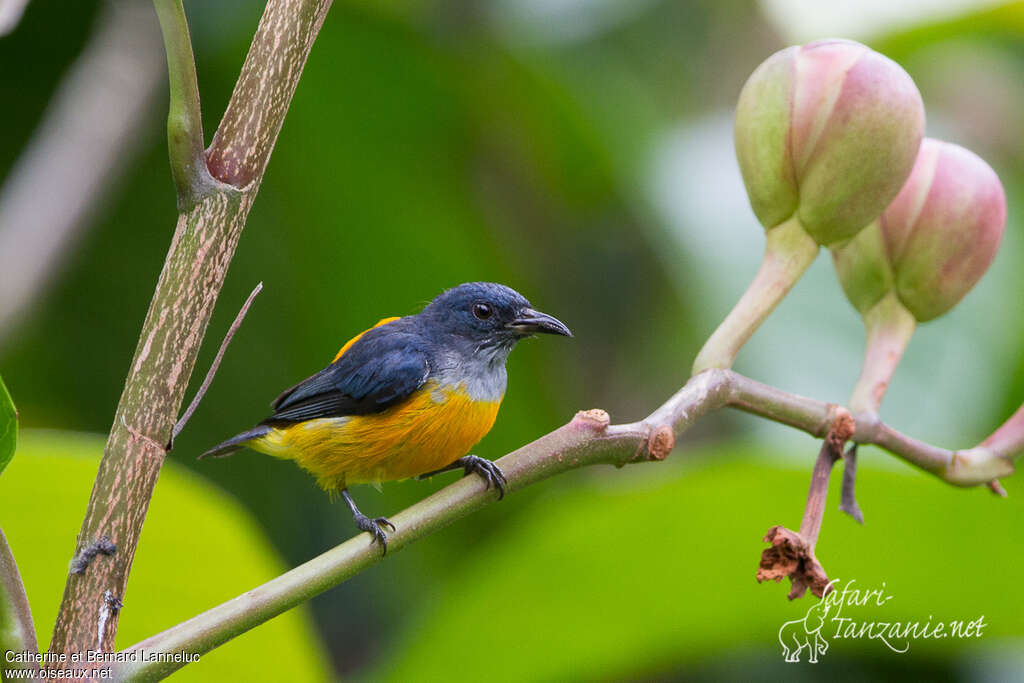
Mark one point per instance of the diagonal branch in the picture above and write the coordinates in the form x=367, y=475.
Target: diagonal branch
x=1009, y=438
x=212, y=372
x=587, y=440
x=201, y=250
x=184, y=119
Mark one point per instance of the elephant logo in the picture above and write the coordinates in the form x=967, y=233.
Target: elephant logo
x=800, y=634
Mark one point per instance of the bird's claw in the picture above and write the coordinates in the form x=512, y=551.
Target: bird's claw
x=491, y=473
x=375, y=528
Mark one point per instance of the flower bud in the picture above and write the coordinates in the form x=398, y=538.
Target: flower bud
x=943, y=229
x=828, y=132
x=934, y=241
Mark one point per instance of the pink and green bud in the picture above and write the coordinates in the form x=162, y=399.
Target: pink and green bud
x=915, y=262
x=943, y=229
x=828, y=133
x=934, y=241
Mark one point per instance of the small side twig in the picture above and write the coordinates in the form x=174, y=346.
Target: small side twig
x=791, y=554
x=848, y=501
x=814, y=511
x=208, y=380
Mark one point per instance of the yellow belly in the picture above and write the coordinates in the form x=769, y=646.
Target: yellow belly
x=434, y=428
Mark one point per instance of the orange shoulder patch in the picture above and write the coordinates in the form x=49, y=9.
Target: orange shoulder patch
x=353, y=340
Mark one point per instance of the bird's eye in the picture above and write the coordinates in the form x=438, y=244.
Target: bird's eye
x=483, y=311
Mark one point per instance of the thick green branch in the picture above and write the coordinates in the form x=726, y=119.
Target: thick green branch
x=588, y=439
x=17, y=634
x=184, y=118
x=889, y=327
x=194, y=271
x=788, y=252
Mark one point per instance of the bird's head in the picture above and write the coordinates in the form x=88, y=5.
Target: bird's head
x=489, y=316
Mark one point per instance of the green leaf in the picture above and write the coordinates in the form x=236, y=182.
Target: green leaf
x=8, y=427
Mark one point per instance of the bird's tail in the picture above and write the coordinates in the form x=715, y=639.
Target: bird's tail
x=236, y=442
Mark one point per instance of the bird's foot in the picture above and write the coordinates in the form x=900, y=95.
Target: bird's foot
x=491, y=473
x=375, y=526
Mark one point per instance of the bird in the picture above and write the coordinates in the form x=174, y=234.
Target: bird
x=408, y=397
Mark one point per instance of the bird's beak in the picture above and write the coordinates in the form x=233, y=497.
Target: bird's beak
x=530, y=322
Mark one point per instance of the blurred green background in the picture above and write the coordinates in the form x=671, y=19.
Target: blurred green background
x=579, y=151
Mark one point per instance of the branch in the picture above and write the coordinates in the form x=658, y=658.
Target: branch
x=194, y=271
x=241, y=148
x=184, y=120
x=212, y=372
x=17, y=634
x=848, y=494
x=587, y=440
x=791, y=554
x=889, y=327
x=788, y=252
x=968, y=467
x=1008, y=440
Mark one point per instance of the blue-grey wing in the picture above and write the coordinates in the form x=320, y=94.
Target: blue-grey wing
x=378, y=371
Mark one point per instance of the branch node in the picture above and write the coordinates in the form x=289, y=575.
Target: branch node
x=661, y=443
x=137, y=436
x=595, y=419
x=841, y=427
x=101, y=546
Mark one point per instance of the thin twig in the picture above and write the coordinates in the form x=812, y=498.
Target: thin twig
x=848, y=499
x=814, y=510
x=791, y=554
x=208, y=380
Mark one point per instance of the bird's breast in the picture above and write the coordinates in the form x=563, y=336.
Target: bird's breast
x=478, y=377
x=437, y=425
